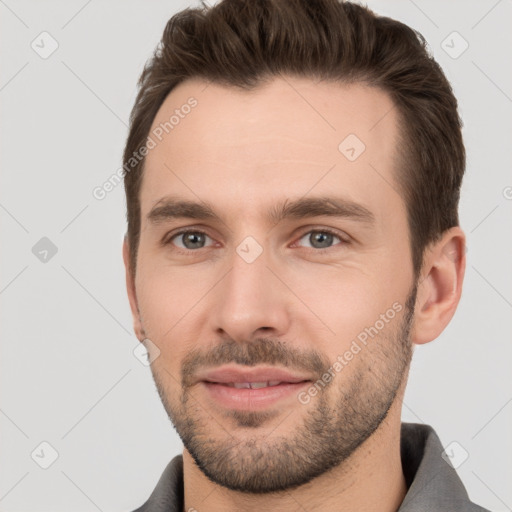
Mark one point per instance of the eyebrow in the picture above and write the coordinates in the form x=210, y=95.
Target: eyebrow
x=169, y=208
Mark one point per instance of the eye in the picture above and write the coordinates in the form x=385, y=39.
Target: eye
x=321, y=239
x=191, y=239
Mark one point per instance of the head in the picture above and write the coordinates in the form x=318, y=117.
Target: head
x=322, y=148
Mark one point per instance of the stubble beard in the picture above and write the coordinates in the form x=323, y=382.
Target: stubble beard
x=232, y=454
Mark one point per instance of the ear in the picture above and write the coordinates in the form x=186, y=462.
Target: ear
x=132, y=296
x=439, y=285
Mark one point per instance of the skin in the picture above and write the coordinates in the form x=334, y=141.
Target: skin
x=245, y=152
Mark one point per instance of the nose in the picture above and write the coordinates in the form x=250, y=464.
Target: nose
x=251, y=301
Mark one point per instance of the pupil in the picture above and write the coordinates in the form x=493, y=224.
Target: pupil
x=318, y=236
x=194, y=239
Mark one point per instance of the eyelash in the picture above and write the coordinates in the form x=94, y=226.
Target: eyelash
x=190, y=252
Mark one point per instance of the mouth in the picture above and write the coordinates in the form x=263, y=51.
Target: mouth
x=251, y=388
x=253, y=385
x=253, y=396
x=254, y=377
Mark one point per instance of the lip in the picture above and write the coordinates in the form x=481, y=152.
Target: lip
x=248, y=398
x=216, y=384
x=232, y=374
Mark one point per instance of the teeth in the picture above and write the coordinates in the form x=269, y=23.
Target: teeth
x=241, y=385
x=258, y=385
x=254, y=385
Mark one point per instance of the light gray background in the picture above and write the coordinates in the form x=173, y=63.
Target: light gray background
x=68, y=373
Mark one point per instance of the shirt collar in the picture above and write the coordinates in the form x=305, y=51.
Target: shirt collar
x=433, y=484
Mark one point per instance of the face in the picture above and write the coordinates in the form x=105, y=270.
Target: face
x=274, y=248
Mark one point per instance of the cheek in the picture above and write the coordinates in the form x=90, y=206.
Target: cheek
x=163, y=300
x=161, y=310
x=338, y=303
x=172, y=302
x=345, y=303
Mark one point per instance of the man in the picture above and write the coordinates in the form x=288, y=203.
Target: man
x=293, y=170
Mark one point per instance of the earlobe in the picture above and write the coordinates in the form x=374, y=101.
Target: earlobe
x=440, y=285
x=132, y=296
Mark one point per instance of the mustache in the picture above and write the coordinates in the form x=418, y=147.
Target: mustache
x=258, y=351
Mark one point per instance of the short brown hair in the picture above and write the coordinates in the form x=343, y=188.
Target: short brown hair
x=243, y=43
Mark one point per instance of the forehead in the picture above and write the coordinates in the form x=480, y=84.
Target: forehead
x=287, y=138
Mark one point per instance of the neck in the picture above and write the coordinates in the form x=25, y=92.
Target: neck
x=371, y=479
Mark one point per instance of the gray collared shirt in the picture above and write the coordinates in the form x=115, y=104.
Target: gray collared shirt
x=433, y=485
